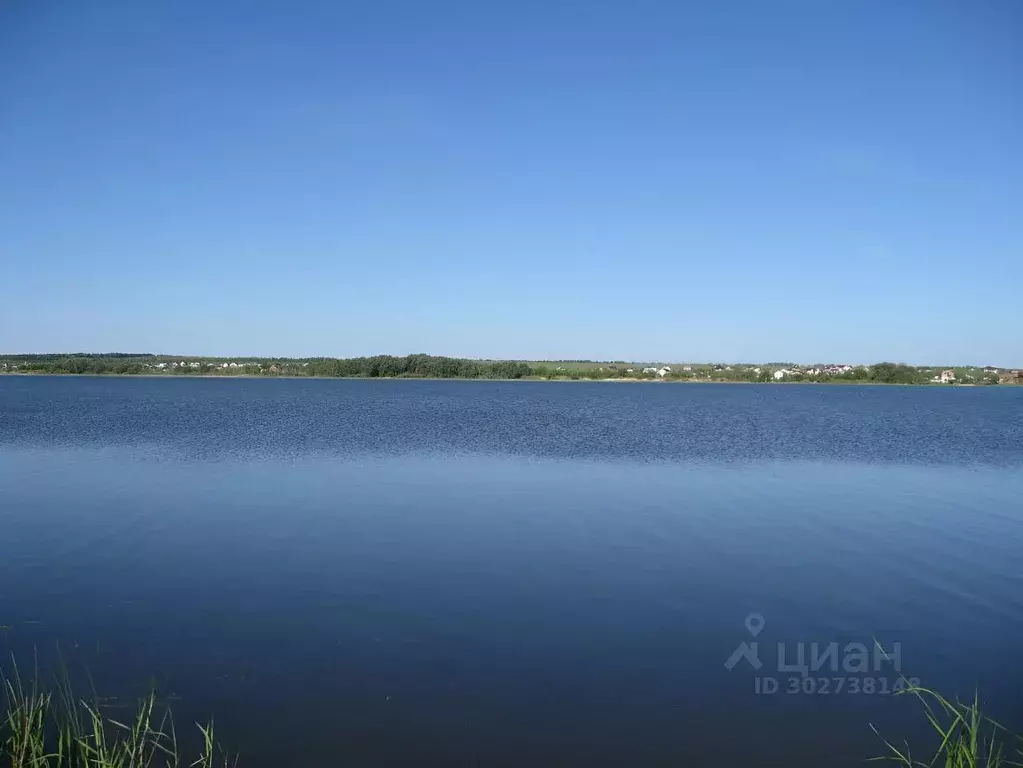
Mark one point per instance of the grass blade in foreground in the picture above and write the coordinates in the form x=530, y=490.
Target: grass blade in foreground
x=38, y=730
x=967, y=737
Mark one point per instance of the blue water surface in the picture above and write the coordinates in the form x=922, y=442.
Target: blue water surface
x=508, y=573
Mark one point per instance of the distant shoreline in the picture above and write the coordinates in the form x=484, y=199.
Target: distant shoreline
x=438, y=367
x=527, y=379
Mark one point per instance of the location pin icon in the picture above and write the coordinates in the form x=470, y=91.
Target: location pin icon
x=755, y=624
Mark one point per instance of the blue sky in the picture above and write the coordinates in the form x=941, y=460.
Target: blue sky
x=786, y=180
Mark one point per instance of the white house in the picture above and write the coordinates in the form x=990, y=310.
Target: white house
x=779, y=375
x=947, y=377
x=664, y=371
x=649, y=370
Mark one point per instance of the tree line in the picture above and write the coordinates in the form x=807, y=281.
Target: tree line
x=440, y=367
x=377, y=366
x=418, y=366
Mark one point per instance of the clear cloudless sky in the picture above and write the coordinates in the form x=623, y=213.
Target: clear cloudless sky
x=808, y=180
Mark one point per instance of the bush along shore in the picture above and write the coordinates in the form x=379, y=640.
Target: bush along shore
x=422, y=366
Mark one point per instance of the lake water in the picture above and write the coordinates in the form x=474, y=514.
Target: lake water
x=486, y=573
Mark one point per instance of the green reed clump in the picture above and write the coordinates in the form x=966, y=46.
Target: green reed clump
x=966, y=737
x=45, y=729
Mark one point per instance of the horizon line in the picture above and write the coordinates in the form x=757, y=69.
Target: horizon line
x=608, y=361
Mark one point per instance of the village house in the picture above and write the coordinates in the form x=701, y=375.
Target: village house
x=836, y=370
x=947, y=377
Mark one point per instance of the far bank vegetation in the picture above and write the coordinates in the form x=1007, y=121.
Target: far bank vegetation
x=423, y=366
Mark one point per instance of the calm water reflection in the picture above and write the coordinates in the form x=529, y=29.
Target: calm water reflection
x=463, y=573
